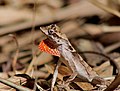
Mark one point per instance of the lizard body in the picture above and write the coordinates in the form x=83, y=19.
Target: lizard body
x=75, y=61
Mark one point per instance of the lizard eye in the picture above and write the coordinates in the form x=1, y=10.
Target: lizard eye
x=51, y=31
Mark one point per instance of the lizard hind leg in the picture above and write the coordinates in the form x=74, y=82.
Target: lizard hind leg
x=71, y=78
x=65, y=84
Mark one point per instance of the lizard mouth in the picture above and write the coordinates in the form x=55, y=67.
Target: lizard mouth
x=44, y=30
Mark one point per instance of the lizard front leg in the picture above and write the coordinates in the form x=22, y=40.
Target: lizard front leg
x=70, y=63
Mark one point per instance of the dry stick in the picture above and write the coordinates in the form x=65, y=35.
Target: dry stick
x=16, y=54
x=100, y=29
x=109, y=29
x=114, y=84
x=40, y=88
x=13, y=85
x=33, y=27
x=36, y=78
x=112, y=47
x=104, y=7
x=10, y=46
x=30, y=65
x=32, y=37
x=55, y=74
x=111, y=60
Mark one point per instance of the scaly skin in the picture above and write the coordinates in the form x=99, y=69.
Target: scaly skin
x=79, y=67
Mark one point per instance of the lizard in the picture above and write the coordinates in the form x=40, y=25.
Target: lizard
x=63, y=48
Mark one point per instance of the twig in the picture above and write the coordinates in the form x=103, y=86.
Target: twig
x=30, y=65
x=111, y=60
x=27, y=40
x=40, y=88
x=100, y=29
x=32, y=37
x=16, y=54
x=114, y=84
x=104, y=7
x=110, y=29
x=55, y=74
x=112, y=47
x=36, y=78
x=33, y=27
x=13, y=85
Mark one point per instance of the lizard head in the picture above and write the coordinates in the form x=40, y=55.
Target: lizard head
x=50, y=30
x=55, y=39
x=53, y=33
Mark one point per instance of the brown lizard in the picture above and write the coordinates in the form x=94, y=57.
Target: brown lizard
x=79, y=67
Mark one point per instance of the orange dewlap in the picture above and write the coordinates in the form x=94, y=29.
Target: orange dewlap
x=43, y=47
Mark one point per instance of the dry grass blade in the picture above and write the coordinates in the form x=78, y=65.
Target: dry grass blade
x=100, y=29
x=112, y=47
x=33, y=28
x=18, y=87
x=108, y=29
x=16, y=54
x=30, y=65
x=104, y=7
x=55, y=74
x=40, y=88
x=32, y=37
x=114, y=84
